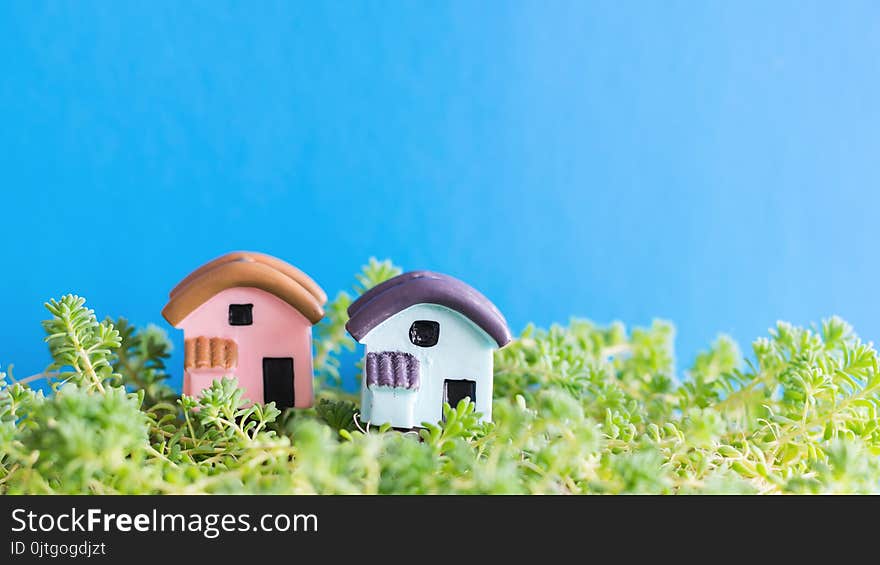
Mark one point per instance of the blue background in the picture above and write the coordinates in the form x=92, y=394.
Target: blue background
x=713, y=163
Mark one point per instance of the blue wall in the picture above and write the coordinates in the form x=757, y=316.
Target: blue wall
x=712, y=163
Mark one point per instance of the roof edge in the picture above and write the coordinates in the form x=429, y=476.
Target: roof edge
x=282, y=266
x=240, y=273
x=425, y=287
x=365, y=298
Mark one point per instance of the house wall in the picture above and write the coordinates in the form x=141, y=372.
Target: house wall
x=464, y=351
x=279, y=330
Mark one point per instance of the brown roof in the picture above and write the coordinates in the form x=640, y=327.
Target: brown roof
x=246, y=269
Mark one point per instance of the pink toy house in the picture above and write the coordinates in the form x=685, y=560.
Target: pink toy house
x=249, y=315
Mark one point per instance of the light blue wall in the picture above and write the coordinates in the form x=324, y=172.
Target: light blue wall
x=715, y=163
x=463, y=352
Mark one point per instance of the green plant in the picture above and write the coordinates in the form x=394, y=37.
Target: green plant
x=579, y=408
x=140, y=361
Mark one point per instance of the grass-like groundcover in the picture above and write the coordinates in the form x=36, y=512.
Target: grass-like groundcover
x=577, y=409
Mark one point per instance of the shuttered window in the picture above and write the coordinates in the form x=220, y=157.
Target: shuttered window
x=394, y=369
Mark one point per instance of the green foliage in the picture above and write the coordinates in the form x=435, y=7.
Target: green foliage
x=77, y=441
x=338, y=414
x=81, y=347
x=459, y=423
x=579, y=408
x=140, y=361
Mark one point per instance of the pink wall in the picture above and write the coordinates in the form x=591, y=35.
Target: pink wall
x=279, y=330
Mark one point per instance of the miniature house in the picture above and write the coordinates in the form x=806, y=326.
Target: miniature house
x=429, y=339
x=250, y=316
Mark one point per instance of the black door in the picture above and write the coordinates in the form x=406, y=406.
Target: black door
x=278, y=381
x=454, y=391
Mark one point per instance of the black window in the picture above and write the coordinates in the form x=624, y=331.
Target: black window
x=424, y=333
x=241, y=314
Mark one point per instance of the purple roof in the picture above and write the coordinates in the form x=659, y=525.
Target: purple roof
x=424, y=287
